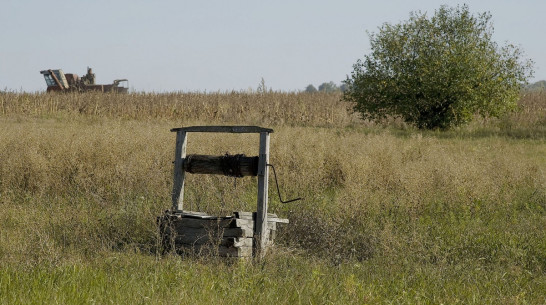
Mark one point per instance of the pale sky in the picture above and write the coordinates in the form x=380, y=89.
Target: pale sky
x=216, y=45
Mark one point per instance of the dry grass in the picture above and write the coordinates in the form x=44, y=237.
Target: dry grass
x=343, y=174
x=268, y=109
x=275, y=108
x=398, y=208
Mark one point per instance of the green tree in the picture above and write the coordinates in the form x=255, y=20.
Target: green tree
x=310, y=89
x=437, y=72
x=537, y=86
x=328, y=87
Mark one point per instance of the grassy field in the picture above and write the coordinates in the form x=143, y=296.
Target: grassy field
x=390, y=214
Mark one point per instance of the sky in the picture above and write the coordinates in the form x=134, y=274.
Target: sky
x=214, y=45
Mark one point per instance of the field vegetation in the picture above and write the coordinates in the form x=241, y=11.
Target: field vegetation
x=391, y=214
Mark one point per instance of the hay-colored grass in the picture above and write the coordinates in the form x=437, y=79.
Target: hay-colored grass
x=389, y=214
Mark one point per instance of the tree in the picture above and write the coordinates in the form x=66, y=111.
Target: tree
x=310, y=89
x=437, y=72
x=262, y=88
x=328, y=87
x=537, y=86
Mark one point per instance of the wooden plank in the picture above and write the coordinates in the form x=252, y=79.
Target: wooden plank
x=243, y=230
x=276, y=219
x=178, y=185
x=272, y=236
x=203, y=216
x=243, y=242
x=206, y=240
x=199, y=215
x=228, y=129
x=225, y=232
x=243, y=215
x=213, y=223
x=203, y=220
x=201, y=223
x=193, y=213
x=270, y=217
x=221, y=251
x=251, y=215
x=260, y=228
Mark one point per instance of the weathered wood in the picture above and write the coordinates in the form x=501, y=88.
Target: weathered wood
x=252, y=215
x=193, y=213
x=259, y=227
x=244, y=215
x=238, y=166
x=200, y=215
x=271, y=225
x=190, y=229
x=228, y=129
x=213, y=223
x=207, y=240
x=178, y=185
x=181, y=225
x=221, y=251
x=261, y=212
x=272, y=236
x=276, y=219
x=243, y=231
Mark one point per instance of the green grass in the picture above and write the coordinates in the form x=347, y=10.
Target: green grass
x=132, y=278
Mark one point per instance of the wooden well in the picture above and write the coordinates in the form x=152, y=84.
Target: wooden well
x=228, y=236
x=242, y=234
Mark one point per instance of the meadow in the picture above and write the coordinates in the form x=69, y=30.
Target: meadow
x=391, y=214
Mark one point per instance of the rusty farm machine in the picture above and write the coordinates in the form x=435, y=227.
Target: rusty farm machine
x=57, y=80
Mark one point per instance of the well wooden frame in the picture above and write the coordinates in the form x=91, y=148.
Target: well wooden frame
x=260, y=229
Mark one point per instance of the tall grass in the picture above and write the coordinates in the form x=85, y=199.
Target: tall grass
x=274, y=108
x=389, y=215
x=271, y=109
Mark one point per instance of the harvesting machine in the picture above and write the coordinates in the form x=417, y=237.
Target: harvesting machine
x=57, y=80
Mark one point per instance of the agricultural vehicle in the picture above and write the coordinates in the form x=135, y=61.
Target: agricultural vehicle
x=57, y=80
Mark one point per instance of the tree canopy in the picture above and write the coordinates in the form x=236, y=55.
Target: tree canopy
x=310, y=89
x=437, y=72
x=537, y=86
x=328, y=87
